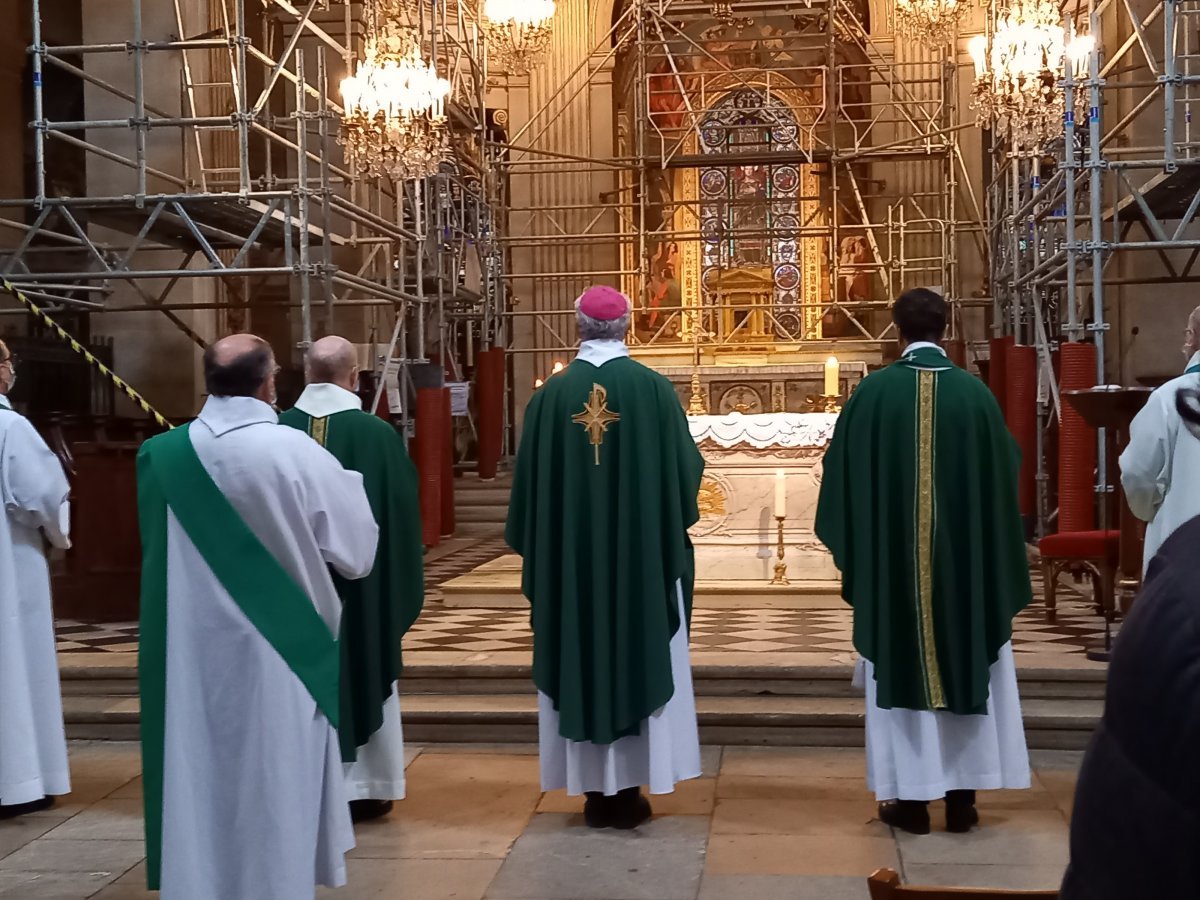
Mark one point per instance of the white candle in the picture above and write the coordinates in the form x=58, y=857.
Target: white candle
x=833, y=386
x=780, y=494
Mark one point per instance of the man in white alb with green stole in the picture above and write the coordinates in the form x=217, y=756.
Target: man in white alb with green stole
x=604, y=491
x=379, y=609
x=239, y=665
x=918, y=506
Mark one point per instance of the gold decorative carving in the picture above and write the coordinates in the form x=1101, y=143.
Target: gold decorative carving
x=711, y=499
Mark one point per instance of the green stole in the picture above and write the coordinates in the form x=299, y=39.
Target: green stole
x=1192, y=370
x=170, y=474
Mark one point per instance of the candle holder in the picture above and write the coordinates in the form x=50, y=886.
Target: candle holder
x=780, y=565
x=822, y=403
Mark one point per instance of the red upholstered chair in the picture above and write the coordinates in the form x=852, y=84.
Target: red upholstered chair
x=1096, y=553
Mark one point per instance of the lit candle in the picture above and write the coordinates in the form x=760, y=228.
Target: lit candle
x=833, y=386
x=558, y=367
x=537, y=384
x=780, y=494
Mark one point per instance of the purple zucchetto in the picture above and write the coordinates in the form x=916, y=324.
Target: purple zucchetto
x=603, y=303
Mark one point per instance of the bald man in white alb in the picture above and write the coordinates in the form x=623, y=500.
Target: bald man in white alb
x=1160, y=473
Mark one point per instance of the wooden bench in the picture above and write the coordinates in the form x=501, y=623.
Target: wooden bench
x=885, y=885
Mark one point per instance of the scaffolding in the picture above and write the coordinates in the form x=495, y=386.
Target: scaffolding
x=787, y=149
x=1112, y=201
x=254, y=194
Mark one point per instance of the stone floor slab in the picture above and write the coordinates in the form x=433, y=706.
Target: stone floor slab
x=458, y=807
x=115, y=857
x=815, y=817
x=559, y=857
x=16, y=833
x=1014, y=837
x=789, y=762
x=803, y=788
x=114, y=820
x=761, y=854
x=51, y=886
x=782, y=887
x=414, y=879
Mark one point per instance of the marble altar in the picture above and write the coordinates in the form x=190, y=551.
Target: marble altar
x=737, y=535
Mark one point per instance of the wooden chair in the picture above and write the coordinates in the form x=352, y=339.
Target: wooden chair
x=885, y=885
x=1096, y=553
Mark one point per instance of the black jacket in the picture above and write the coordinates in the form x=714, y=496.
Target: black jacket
x=1135, y=831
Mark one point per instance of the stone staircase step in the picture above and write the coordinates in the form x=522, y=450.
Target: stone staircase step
x=502, y=718
x=481, y=514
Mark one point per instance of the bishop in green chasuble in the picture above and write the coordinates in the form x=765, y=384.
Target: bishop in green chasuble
x=379, y=609
x=918, y=506
x=604, y=491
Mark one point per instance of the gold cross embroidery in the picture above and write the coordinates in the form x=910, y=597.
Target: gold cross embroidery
x=596, y=417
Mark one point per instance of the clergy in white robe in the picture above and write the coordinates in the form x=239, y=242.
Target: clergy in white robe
x=605, y=489
x=918, y=506
x=1159, y=472
x=33, y=489
x=241, y=520
x=379, y=609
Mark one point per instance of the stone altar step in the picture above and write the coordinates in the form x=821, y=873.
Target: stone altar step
x=737, y=704
x=497, y=585
x=512, y=718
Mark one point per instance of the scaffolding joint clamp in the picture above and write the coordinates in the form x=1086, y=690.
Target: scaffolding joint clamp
x=1092, y=246
x=1095, y=327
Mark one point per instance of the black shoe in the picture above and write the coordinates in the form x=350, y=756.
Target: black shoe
x=907, y=815
x=597, y=810
x=24, y=809
x=961, y=814
x=630, y=809
x=366, y=810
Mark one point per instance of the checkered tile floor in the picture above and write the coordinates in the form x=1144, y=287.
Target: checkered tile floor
x=743, y=630
x=736, y=630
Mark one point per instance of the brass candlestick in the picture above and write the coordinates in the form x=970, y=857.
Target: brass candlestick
x=780, y=565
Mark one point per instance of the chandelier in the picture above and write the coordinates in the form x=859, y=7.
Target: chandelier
x=517, y=32
x=1018, y=70
x=932, y=22
x=395, y=118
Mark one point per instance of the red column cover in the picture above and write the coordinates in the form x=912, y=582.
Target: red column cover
x=1076, y=443
x=447, y=466
x=1022, y=420
x=997, y=374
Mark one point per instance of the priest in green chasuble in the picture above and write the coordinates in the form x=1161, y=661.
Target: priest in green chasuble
x=379, y=609
x=604, y=491
x=918, y=506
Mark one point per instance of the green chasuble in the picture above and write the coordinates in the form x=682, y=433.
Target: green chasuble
x=379, y=609
x=604, y=492
x=170, y=474
x=919, y=507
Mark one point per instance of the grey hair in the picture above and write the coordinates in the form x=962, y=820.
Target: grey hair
x=599, y=329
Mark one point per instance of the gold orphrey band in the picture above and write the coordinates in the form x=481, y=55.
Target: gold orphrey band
x=926, y=390
x=86, y=354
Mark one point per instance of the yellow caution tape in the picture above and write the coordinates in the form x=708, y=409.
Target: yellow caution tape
x=83, y=351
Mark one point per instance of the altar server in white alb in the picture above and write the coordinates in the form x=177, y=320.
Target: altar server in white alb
x=241, y=520
x=1159, y=471
x=604, y=492
x=33, y=487
x=918, y=506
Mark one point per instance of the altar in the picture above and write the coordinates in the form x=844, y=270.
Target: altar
x=736, y=539
x=745, y=456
